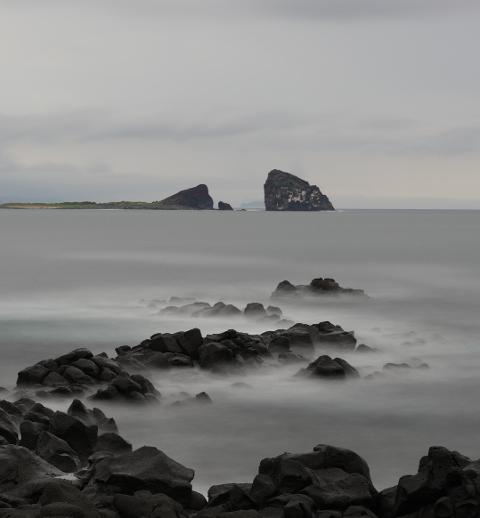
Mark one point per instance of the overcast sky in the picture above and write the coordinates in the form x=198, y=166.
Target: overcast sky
x=375, y=101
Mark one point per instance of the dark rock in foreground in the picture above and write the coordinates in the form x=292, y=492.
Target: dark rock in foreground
x=110, y=480
x=286, y=192
x=317, y=287
x=224, y=206
x=195, y=198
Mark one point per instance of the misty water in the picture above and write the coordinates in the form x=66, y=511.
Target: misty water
x=87, y=278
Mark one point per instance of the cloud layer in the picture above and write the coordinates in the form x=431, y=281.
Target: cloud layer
x=112, y=99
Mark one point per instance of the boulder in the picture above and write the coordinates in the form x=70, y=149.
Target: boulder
x=190, y=341
x=80, y=437
x=60, y=498
x=331, y=368
x=286, y=192
x=29, y=431
x=438, y=470
x=8, y=427
x=19, y=466
x=255, y=310
x=144, y=469
x=112, y=443
x=214, y=355
x=57, y=452
x=224, y=206
x=32, y=375
x=76, y=354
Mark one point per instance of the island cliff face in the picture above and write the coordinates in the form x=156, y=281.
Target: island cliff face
x=195, y=198
x=285, y=191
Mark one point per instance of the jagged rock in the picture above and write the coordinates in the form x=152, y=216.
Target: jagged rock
x=438, y=471
x=224, y=206
x=80, y=437
x=8, y=427
x=112, y=443
x=194, y=198
x=284, y=191
x=57, y=452
x=332, y=368
x=29, y=432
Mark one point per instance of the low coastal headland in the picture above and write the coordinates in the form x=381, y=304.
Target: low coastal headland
x=75, y=463
x=283, y=192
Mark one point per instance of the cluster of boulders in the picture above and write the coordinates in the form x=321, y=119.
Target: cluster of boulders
x=75, y=465
x=331, y=482
x=317, y=287
x=233, y=349
x=79, y=372
x=253, y=310
x=64, y=439
x=110, y=480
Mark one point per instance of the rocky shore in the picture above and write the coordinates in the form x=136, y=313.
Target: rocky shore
x=75, y=463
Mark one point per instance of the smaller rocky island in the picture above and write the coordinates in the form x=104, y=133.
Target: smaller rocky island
x=287, y=192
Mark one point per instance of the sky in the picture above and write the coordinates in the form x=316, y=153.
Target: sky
x=375, y=101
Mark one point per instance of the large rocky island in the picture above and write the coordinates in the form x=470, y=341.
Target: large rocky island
x=287, y=192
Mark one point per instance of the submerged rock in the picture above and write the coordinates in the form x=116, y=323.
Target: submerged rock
x=332, y=368
x=287, y=192
x=317, y=287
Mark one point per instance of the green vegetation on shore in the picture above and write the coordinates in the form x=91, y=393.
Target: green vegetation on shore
x=85, y=205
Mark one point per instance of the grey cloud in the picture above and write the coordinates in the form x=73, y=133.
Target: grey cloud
x=291, y=9
x=330, y=132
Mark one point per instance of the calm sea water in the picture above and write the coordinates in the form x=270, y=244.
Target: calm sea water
x=85, y=278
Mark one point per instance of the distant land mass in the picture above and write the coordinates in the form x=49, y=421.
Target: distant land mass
x=195, y=198
x=283, y=192
x=287, y=192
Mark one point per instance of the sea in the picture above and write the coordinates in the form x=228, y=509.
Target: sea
x=99, y=279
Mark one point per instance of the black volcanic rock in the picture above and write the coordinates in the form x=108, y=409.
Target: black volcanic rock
x=284, y=191
x=319, y=286
x=224, y=206
x=193, y=198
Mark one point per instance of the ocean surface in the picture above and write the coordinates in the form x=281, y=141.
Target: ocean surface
x=98, y=278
